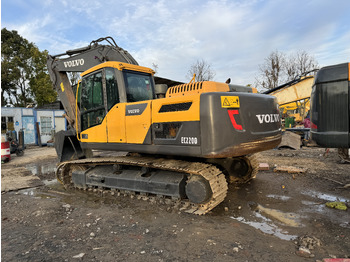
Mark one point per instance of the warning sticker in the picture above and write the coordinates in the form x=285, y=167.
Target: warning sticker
x=230, y=101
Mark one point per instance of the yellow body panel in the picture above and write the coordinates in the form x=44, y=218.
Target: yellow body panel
x=96, y=134
x=179, y=116
x=137, y=126
x=122, y=128
x=120, y=66
x=196, y=88
x=116, y=124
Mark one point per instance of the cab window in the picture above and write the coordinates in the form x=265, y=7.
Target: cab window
x=92, y=106
x=139, y=86
x=111, y=88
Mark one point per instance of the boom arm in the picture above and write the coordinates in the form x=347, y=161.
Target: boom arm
x=79, y=60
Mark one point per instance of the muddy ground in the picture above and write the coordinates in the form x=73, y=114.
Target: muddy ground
x=267, y=219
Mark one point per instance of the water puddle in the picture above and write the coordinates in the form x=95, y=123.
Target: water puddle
x=345, y=224
x=36, y=193
x=28, y=191
x=289, y=219
x=316, y=207
x=50, y=182
x=42, y=169
x=325, y=197
x=52, y=190
x=267, y=220
x=266, y=226
x=279, y=197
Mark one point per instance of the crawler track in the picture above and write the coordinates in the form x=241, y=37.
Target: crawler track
x=211, y=173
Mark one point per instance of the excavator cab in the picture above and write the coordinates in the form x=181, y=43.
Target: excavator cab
x=105, y=93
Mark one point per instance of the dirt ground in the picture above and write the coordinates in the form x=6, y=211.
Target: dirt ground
x=278, y=216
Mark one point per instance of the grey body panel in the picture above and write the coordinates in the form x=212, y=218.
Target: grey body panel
x=135, y=110
x=330, y=107
x=188, y=134
x=221, y=139
x=175, y=150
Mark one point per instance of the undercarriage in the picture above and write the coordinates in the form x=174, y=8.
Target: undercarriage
x=197, y=186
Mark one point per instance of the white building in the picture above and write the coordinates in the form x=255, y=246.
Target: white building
x=17, y=118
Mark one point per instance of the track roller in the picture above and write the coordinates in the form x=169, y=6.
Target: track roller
x=198, y=190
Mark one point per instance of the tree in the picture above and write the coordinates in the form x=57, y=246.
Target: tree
x=15, y=54
x=40, y=83
x=271, y=72
x=23, y=72
x=299, y=64
x=7, y=85
x=203, y=71
x=279, y=69
x=155, y=68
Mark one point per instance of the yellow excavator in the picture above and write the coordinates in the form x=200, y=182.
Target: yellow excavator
x=294, y=97
x=186, y=142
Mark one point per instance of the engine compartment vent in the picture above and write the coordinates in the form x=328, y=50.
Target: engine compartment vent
x=175, y=107
x=185, y=88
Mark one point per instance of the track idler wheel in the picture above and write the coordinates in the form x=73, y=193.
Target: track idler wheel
x=198, y=190
x=237, y=169
x=243, y=169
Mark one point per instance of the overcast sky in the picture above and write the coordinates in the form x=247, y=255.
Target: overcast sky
x=233, y=36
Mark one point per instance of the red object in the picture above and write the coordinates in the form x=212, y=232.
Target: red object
x=5, y=152
x=313, y=126
x=231, y=113
x=306, y=122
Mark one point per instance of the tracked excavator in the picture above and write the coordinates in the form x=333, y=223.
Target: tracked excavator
x=185, y=142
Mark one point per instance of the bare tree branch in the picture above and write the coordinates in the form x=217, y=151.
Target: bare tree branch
x=203, y=71
x=271, y=72
x=155, y=68
x=279, y=69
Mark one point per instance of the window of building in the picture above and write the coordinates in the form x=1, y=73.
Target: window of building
x=7, y=124
x=3, y=124
x=45, y=125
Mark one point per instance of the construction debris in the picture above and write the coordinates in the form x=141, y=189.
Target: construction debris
x=264, y=167
x=290, y=169
x=290, y=140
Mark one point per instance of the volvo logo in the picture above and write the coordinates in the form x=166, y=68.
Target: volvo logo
x=73, y=63
x=268, y=118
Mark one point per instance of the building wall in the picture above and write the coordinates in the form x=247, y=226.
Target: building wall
x=25, y=119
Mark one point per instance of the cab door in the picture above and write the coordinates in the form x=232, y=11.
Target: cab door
x=138, y=114
x=93, y=109
x=116, y=110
